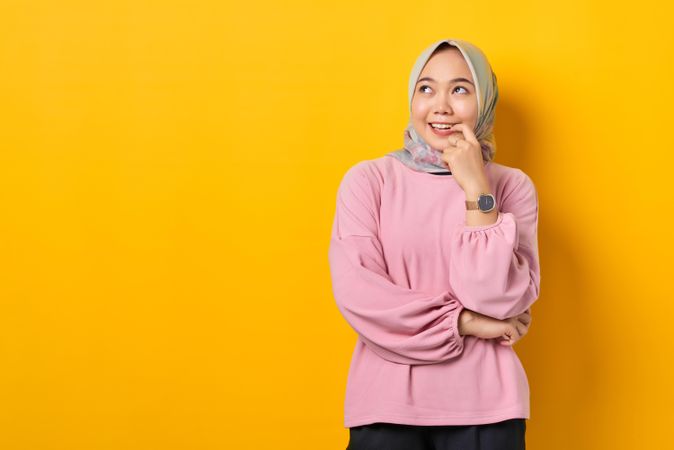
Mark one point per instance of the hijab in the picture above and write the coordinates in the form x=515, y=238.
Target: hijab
x=416, y=153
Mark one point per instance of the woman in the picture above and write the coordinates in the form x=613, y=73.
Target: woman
x=434, y=263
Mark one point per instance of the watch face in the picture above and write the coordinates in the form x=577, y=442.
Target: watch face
x=485, y=202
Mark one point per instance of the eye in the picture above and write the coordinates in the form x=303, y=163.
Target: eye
x=423, y=86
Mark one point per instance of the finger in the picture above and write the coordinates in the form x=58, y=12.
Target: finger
x=467, y=132
x=453, y=141
x=449, y=149
x=507, y=342
x=454, y=138
x=526, y=320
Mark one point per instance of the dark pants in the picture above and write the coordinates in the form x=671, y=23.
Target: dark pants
x=505, y=435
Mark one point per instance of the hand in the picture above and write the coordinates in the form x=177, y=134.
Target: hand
x=507, y=331
x=463, y=155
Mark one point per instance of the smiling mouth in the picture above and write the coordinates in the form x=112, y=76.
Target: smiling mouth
x=442, y=131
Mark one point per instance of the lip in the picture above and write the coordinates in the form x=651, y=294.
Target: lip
x=441, y=133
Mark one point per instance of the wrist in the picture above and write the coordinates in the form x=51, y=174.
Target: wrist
x=473, y=192
x=465, y=317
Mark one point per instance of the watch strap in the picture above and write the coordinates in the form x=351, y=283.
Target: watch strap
x=470, y=205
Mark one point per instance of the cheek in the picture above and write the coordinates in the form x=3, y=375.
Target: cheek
x=469, y=107
x=466, y=107
x=419, y=111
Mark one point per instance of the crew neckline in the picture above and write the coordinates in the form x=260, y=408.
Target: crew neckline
x=426, y=175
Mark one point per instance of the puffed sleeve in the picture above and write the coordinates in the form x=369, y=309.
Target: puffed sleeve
x=398, y=324
x=494, y=269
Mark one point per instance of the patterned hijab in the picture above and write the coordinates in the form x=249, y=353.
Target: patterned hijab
x=420, y=156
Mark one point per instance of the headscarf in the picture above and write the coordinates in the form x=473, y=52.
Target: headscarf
x=416, y=152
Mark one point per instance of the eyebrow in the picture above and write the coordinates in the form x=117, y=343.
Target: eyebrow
x=455, y=80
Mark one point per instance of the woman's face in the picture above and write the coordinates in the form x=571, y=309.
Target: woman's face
x=444, y=93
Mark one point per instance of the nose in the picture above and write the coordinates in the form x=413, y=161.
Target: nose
x=443, y=102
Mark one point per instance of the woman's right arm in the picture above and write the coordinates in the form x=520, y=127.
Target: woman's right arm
x=401, y=325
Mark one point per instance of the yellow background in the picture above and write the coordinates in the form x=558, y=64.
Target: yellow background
x=169, y=172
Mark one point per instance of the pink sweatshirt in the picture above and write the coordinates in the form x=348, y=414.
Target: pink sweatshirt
x=404, y=265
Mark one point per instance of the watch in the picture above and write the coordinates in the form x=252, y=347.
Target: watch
x=485, y=203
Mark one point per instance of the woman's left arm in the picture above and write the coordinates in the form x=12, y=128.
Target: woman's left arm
x=494, y=268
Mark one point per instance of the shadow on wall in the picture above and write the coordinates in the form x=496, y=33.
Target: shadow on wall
x=561, y=353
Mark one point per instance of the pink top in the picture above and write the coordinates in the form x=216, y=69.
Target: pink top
x=403, y=266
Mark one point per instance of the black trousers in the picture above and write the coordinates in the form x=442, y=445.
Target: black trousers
x=505, y=435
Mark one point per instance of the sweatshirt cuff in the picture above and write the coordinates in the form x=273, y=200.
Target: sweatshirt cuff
x=454, y=324
x=499, y=219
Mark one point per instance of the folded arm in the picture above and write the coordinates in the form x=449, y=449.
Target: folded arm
x=401, y=325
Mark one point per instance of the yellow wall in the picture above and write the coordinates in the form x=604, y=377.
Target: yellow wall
x=168, y=172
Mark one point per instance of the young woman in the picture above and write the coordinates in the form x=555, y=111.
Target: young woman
x=434, y=263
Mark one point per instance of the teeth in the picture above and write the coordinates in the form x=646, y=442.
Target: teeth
x=443, y=126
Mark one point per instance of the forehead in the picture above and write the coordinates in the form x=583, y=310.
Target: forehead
x=447, y=63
